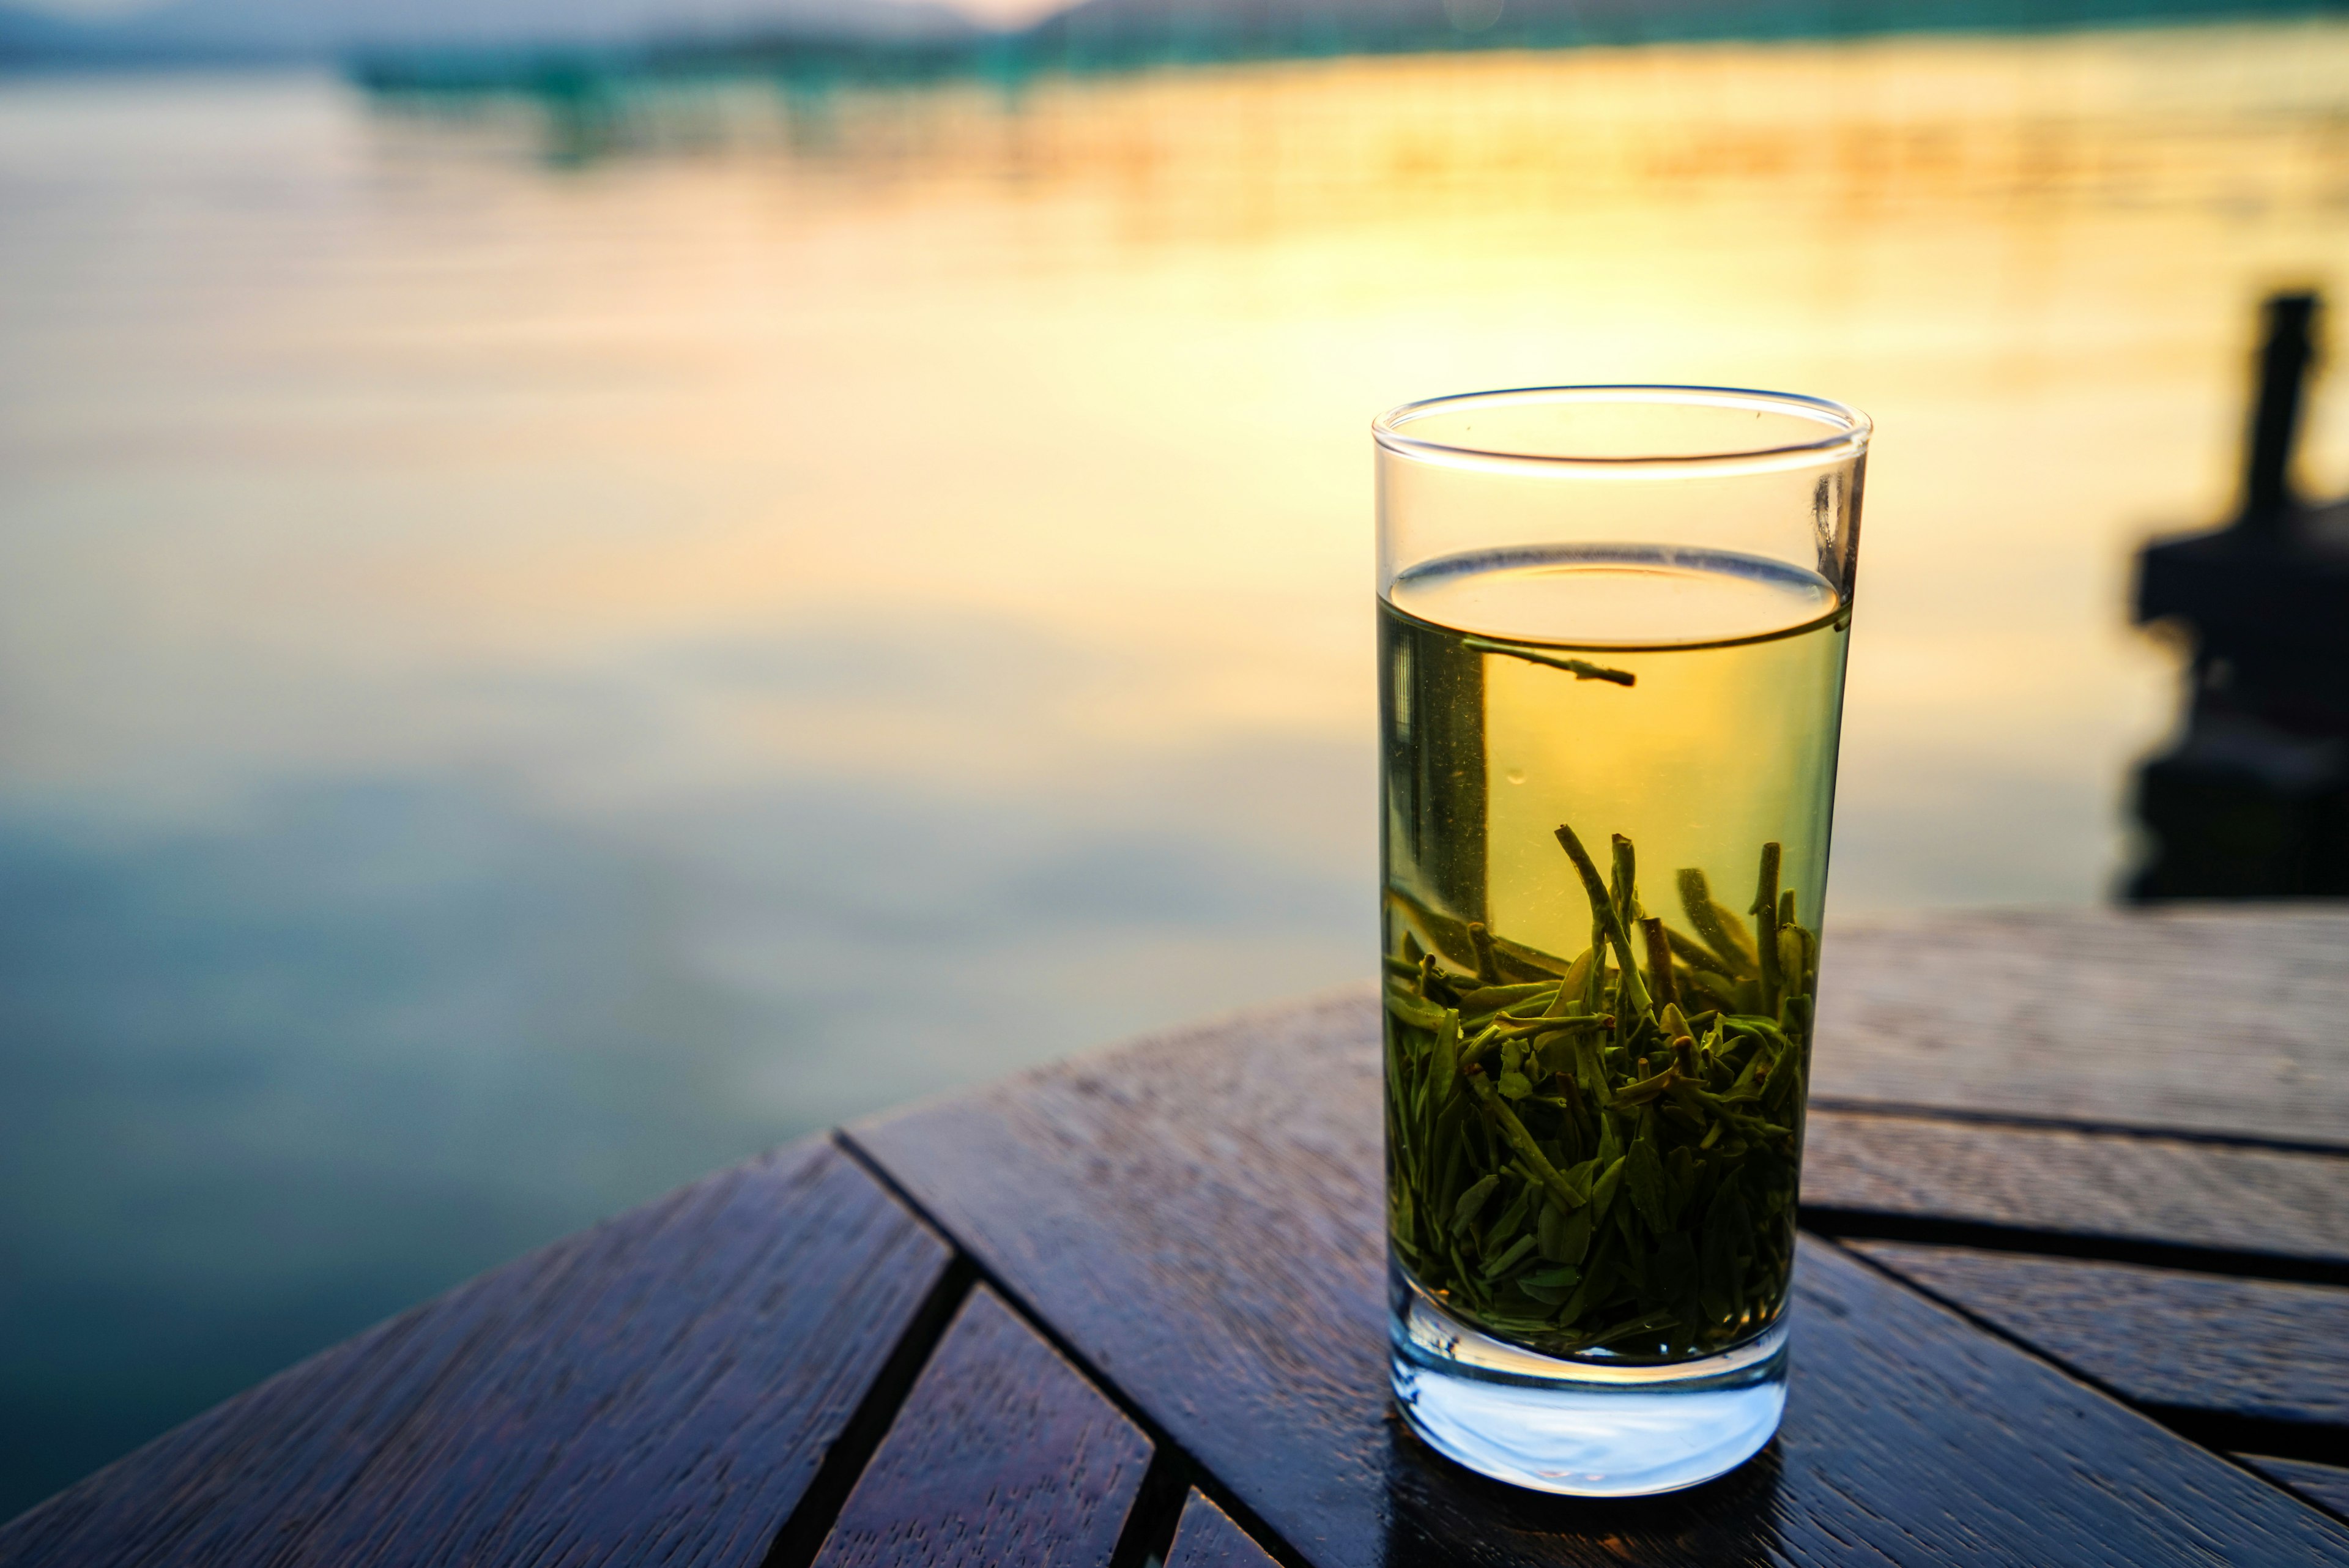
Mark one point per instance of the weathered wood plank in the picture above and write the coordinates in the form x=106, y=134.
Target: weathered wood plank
x=1207, y=1538
x=1199, y=1217
x=1003, y=1453
x=2288, y=1206
x=661, y=1389
x=2326, y=1485
x=2251, y=1349
x=2216, y=1019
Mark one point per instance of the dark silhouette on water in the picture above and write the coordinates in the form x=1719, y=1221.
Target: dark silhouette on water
x=2253, y=801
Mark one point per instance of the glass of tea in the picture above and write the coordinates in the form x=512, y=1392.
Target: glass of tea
x=1612, y=623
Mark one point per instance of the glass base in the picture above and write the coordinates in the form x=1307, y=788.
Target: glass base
x=1583, y=1428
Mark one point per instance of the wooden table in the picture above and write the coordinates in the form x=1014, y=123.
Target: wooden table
x=2075, y=1291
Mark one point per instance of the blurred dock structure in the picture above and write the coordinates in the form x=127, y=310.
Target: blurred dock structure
x=2252, y=800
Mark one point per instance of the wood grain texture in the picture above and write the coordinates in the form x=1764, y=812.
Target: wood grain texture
x=1207, y=1538
x=2080, y=1184
x=1198, y=1216
x=1003, y=1453
x=2221, y=1019
x=2253, y=1348
x=2326, y=1485
x=659, y=1389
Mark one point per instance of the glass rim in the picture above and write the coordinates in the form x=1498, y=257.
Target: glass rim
x=1846, y=435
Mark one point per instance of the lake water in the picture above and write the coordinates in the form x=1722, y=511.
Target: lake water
x=540, y=656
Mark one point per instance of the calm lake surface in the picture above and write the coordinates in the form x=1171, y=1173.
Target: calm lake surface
x=541, y=655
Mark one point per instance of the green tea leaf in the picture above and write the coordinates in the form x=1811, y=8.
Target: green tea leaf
x=1672, y=1271
x=1409, y=1008
x=1509, y=1259
x=1512, y=1217
x=1550, y=1233
x=1603, y=909
x=1643, y=1178
x=1602, y=1192
x=1471, y=1201
x=1574, y=1237
x=1570, y=989
x=1493, y=998
x=1715, y=926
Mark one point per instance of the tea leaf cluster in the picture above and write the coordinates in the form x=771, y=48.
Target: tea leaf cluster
x=1603, y=1154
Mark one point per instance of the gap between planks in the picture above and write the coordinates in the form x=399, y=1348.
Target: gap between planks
x=803, y=1533
x=2225, y=1433
x=1840, y=1223
x=1902, y=1110
x=1149, y=1526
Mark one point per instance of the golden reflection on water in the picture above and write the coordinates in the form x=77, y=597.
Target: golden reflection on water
x=393, y=410
x=1096, y=354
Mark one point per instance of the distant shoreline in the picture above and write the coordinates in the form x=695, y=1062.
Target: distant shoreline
x=1113, y=35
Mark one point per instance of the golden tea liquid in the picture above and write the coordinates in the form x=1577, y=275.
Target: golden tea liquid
x=1581, y=1158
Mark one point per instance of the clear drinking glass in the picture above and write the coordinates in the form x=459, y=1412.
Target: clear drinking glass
x=1612, y=623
